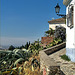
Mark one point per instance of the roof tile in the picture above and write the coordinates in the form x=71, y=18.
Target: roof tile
x=60, y=20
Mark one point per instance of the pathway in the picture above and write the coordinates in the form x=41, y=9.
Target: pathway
x=67, y=67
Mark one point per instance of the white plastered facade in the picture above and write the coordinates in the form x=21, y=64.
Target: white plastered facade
x=70, y=32
x=56, y=24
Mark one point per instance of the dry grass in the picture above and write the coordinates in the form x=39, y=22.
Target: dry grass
x=28, y=69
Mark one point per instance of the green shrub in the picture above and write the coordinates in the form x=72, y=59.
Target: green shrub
x=49, y=32
x=65, y=57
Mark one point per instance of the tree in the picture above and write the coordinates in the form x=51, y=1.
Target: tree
x=60, y=33
x=22, y=47
x=29, y=42
x=18, y=47
x=49, y=32
x=11, y=47
x=26, y=46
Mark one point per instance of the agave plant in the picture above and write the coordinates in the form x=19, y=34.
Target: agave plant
x=11, y=59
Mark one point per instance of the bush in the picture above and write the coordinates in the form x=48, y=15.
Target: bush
x=65, y=57
x=60, y=33
x=49, y=32
x=55, y=42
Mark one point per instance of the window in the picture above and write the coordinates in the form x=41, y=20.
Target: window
x=72, y=9
x=70, y=22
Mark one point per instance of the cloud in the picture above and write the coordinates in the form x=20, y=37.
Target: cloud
x=7, y=41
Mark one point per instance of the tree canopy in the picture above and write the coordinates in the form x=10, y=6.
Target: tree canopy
x=11, y=47
x=49, y=32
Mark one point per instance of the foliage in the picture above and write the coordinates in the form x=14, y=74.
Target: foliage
x=21, y=47
x=17, y=47
x=32, y=67
x=18, y=60
x=49, y=32
x=35, y=47
x=65, y=57
x=26, y=46
x=11, y=47
x=12, y=58
x=60, y=33
x=21, y=61
x=55, y=42
x=29, y=42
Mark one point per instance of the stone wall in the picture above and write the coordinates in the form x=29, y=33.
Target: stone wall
x=46, y=40
x=55, y=48
x=47, y=64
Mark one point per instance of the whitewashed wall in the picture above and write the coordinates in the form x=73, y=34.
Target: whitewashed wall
x=74, y=23
x=70, y=37
x=54, y=25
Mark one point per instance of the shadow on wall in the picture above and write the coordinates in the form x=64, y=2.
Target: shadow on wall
x=70, y=52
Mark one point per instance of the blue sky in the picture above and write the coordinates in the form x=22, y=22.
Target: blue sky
x=26, y=20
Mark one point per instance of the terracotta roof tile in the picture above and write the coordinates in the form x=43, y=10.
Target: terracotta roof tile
x=60, y=20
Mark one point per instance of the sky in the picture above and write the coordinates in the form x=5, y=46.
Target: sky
x=26, y=20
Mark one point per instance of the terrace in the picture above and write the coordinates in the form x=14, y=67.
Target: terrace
x=50, y=60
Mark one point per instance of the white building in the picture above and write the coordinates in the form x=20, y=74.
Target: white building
x=57, y=22
x=70, y=28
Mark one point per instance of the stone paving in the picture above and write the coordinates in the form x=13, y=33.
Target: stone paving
x=67, y=67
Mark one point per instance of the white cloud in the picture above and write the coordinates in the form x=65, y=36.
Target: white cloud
x=7, y=41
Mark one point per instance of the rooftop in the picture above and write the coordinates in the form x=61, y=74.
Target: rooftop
x=60, y=20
